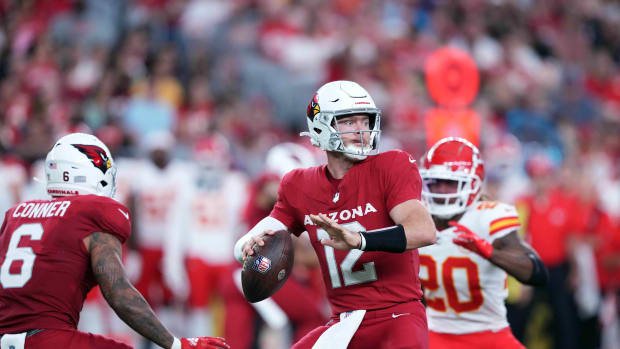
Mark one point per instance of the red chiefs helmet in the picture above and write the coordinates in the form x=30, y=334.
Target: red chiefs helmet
x=212, y=151
x=452, y=159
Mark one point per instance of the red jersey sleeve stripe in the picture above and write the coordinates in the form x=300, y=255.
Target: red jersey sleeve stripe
x=503, y=219
x=504, y=224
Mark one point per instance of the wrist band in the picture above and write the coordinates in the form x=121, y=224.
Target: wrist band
x=362, y=242
x=390, y=239
x=176, y=343
x=540, y=275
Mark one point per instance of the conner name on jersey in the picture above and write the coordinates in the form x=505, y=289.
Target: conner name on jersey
x=41, y=210
x=346, y=215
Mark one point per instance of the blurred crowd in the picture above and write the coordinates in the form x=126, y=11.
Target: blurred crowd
x=197, y=82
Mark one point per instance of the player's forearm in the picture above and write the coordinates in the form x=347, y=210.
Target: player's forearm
x=419, y=226
x=126, y=301
x=133, y=309
x=420, y=234
x=420, y=229
x=514, y=262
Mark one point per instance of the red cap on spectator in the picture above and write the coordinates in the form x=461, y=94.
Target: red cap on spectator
x=539, y=165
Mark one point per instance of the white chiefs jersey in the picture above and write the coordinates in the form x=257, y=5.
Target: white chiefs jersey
x=207, y=219
x=128, y=172
x=464, y=292
x=155, y=190
x=12, y=181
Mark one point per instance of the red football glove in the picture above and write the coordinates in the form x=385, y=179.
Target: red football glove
x=471, y=241
x=204, y=343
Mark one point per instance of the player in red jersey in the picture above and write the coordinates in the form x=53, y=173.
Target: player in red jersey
x=52, y=252
x=364, y=219
x=301, y=301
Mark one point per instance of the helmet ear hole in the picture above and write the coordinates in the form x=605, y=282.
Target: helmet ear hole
x=104, y=183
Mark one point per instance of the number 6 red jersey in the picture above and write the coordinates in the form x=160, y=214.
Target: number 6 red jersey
x=361, y=200
x=45, y=270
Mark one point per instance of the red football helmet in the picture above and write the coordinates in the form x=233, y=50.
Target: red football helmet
x=452, y=159
x=212, y=151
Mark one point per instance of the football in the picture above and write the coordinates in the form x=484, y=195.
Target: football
x=267, y=269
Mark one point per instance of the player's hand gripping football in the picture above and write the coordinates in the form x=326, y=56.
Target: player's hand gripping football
x=248, y=248
x=204, y=343
x=471, y=241
x=341, y=238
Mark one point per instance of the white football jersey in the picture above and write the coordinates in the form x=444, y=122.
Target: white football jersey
x=155, y=191
x=464, y=292
x=209, y=219
x=13, y=178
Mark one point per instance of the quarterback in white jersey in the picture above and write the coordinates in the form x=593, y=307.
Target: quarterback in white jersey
x=464, y=274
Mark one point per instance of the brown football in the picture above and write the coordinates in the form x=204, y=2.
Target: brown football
x=267, y=269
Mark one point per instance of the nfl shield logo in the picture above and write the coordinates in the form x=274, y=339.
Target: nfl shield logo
x=262, y=264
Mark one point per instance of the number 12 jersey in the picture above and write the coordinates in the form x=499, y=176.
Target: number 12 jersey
x=361, y=200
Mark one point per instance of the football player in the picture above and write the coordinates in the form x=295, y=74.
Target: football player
x=301, y=301
x=52, y=252
x=464, y=273
x=365, y=221
x=204, y=225
x=154, y=189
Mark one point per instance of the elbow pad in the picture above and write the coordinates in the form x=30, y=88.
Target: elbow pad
x=540, y=275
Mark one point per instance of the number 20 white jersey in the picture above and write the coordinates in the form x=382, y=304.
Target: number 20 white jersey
x=464, y=292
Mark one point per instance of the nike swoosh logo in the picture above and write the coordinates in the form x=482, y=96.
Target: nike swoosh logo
x=411, y=160
x=394, y=316
x=124, y=213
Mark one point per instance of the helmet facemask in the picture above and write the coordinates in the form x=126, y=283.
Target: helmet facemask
x=458, y=161
x=359, y=152
x=447, y=205
x=338, y=99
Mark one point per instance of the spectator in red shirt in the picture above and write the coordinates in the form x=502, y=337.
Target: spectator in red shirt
x=547, y=223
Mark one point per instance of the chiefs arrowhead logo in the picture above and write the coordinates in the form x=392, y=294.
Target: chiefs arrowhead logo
x=313, y=107
x=96, y=155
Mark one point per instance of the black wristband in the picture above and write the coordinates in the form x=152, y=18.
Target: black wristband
x=390, y=239
x=539, y=272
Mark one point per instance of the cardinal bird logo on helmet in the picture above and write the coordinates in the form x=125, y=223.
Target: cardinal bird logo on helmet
x=313, y=107
x=96, y=155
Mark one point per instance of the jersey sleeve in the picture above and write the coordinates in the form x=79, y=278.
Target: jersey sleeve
x=402, y=179
x=283, y=210
x=501, y=219
x=6, y=215
x=110, y=216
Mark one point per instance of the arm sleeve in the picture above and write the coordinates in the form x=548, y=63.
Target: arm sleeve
x=401, y=179
x=6, y=214
x=267, y=223
x=111, y=217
